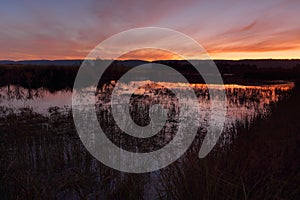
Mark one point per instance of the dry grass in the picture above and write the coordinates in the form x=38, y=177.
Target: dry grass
x=43, y=158
x=261, y=163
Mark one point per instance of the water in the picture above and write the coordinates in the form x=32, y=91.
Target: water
x=243, y=102
x=42, y=154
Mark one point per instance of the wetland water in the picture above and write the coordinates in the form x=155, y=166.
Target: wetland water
x=42, y=153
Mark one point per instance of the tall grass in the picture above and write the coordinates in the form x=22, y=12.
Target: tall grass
x=262, y=162
x=42, y=157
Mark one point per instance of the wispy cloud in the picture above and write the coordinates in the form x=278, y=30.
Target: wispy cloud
x=64, y=29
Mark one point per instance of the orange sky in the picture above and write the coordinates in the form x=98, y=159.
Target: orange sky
x=228, y=29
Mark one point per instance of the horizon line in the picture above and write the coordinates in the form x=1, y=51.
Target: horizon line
x=242, y=59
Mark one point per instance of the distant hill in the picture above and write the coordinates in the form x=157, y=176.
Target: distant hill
x=44, y=62
x=264, y=63
x=126, y=63
x=131, y=63
x=261, y=63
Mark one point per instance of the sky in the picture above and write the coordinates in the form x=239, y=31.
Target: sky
x=227, y=29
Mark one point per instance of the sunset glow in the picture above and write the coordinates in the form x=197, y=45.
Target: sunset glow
x=70, y=30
